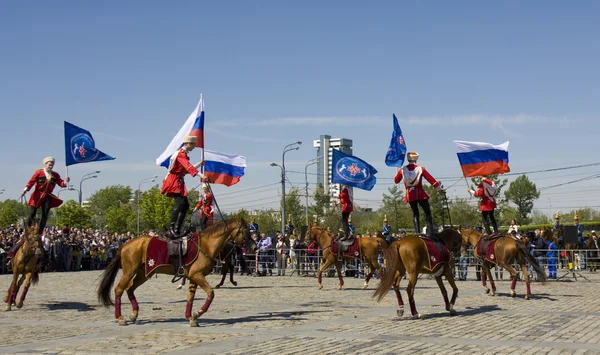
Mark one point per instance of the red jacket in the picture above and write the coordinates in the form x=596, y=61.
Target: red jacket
x=205, y=205
x=345, y=201
x=488, y=202
x=44, y=188
x=413, y=175
x=174, y=184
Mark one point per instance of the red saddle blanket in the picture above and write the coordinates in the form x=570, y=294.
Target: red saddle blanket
x=488, y=253
x=157, y=253
x=436, y=255
x=353, y=251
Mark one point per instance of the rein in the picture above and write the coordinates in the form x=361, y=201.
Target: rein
x=231, y=237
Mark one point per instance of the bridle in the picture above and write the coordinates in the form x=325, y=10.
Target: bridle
x=320, y=234
x=230, y=238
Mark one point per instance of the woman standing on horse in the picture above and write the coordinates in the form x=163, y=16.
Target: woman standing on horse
x=174, y=183
x=415, y=195
x=486, y=191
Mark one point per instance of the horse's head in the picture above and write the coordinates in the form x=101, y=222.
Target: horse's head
x=470, y=237
x=452, y=238
x=33, y=239
x=316, y=233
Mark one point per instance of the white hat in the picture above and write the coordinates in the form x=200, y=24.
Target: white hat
x=412, y=156
x=190, y=139
x=47, y=159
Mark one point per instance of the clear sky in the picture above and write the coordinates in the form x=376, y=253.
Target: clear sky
x=274, y=72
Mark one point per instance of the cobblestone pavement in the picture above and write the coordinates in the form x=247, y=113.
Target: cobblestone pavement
x=288, y=315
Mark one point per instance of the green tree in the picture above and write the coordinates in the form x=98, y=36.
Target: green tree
x=464, y=214
x=156, y=209
x=72, y=214
x=121, y=219
x=10, y=211
x=322, y=202
x=522, y=193
x=586, y=214
x=294, y=209
x=538, y=217
x=269, y=221
x=398, y=214
x=103, y=199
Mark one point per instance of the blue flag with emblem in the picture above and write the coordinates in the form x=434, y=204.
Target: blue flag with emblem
x=352, y=171
x=80, y=146
x=397, y=151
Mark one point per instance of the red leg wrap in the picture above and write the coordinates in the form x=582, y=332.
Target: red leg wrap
x=399, y=297
x=117, y=308
x=320, y=277
x=134, y=304
x=24, y=293
x=188, y=310
x=483, y=280
x=514, y=283
x=528, y=289
x=207, y=303
x=369, y=277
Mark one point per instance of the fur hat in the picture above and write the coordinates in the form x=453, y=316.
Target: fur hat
x=412, y=156
x=190, y=139
x=47, y=159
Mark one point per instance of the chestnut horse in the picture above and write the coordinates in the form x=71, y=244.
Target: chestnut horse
x=130, y=257
x=410, y=255
x=24, y=264
x=506, y=250
x=369, y=250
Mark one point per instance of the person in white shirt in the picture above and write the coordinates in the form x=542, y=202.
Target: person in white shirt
x=281, y=249
x=513, y=227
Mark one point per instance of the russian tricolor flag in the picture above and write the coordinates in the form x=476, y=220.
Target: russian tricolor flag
x=482, y=159
x=193, y=126
x=223, y=168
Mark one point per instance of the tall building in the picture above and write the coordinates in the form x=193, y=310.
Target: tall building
x=324, y=145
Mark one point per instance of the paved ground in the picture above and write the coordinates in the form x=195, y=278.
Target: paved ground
x=288, y=315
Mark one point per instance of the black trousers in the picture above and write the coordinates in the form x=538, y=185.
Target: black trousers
x=345, y=224
x=45, y=206
x=486, y=218
x=414, y=206
x=182, y=205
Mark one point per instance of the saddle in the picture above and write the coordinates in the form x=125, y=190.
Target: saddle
x=485, y=241
x=177, y=251
x=344, y=244
x=436, y=241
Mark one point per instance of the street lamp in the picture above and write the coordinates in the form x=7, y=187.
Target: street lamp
x=1, y=191
x=287, y=148
x=308, y=163
x=150, y=179
x=83, y=178
x=550, y=207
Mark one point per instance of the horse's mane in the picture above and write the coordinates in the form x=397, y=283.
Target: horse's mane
x=222, y=225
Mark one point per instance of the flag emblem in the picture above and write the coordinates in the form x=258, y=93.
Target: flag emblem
x=401, y=140
x=79, y=142
x=354, y=169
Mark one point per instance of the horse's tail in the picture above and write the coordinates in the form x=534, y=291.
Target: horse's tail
x=392, y=257
x=536, y=267
x=108, y=279
x=35, y=277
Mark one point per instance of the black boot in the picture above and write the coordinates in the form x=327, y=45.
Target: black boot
x=180, y=222
x=417, y=224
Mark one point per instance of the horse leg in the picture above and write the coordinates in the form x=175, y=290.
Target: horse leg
x=224, y=270
x=440, y=283
x=484, y=278
x=450, y=279
x=338, y=267
x=190, y=304
x=515, y=276
x=412, y=283
x=12, y=290
x=399, y=274
x=526, y=276
x=16, y=291
x=199, y=280
x=370, y=274
x=181, y=284
x=489, y=273
x=137, y=281
x=25, y=289
x=231, y=267
x=324, y=267
x=119, y=289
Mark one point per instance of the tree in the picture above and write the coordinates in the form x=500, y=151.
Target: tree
x=322, y=202
x=72, y=214
x=538, y=217
x=103, y=199
x=585, y=214
x=121, y=219
x=394, y=207
x=10, y=211
x=522, y=193
x=294, y=210
x=464, y=214
x=156, y=209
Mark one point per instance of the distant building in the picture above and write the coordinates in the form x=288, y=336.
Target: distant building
x=324, y=146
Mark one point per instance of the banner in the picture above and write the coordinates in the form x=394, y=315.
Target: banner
x=352, y=171
x=80, y=146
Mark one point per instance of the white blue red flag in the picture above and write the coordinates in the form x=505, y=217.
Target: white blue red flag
x=223, y=168
x=482, y=159
x=193, y=126
x=352, y=171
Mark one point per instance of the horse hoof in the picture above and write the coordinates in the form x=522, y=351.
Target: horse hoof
x=19, y=304
x=493, y=293
x=122, y=321
x=320, y=286
x=234, y=283
x=487, y=290
x=7, y=309
x=451, y=310
x=527, y=297
x=418, y=316
x=366, y=285
x=218, y=286
x=193, y=323
x=133, y=317
x=198, y=314
x=400, y=312
x=512, y=293
x=179, y=287
x=340, y=287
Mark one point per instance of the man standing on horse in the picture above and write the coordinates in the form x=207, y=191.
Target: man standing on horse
x=486, y=191
x=346, y=201
x=174, y=183
x=205, y=207
x=416, y=195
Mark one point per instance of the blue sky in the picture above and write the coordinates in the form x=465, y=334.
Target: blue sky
x=275, y=72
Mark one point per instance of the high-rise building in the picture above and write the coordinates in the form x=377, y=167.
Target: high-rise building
x=324, y=145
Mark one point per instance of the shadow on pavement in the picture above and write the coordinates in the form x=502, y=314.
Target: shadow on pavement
x=290, y=315
x=78, y=306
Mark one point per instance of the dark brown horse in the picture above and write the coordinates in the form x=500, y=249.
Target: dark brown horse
x=592, y=253
x=506, y=250
x=369, y=250
x=130, y=257
x=24, y=264
x=410, y=255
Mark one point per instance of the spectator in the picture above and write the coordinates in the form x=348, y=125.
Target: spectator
x=281, y=255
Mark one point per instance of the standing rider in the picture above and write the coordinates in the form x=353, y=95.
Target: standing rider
x=205, y=207
x=44, y=180
x=413, y=175
x=346, y=201
x=486, y=191
x=174, y=183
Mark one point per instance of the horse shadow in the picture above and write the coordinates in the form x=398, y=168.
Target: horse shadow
x=546, y=296
x=288, y=315
x=62, y=306
x=469, y=311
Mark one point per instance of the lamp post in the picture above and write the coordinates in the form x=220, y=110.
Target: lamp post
x=308, y=163
x=287, y=148
x=83, y=178
x=550, y=208
x=150, y=179
x=1, y=191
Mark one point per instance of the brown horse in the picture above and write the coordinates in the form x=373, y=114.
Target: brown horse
x=130, y=257
x=410, y=255
x=592, y=254
x=506, y=250
x=24, y=264
x=369, y=250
